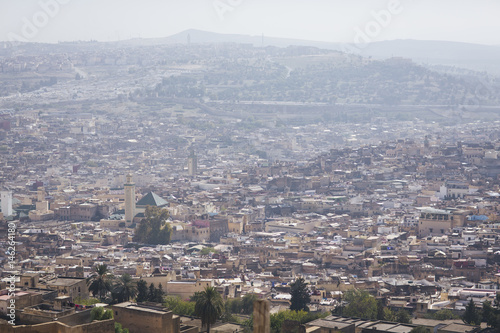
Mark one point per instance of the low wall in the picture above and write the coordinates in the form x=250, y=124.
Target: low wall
x=104, y=326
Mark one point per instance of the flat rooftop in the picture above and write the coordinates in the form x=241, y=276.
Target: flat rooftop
x=143, y=308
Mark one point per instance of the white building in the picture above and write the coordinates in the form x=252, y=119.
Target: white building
x=6, y=198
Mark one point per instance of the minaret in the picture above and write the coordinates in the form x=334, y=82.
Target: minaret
x=6, y=197
x=129, y=200
x=40, y=194
x=192, y=164
x=41, y=204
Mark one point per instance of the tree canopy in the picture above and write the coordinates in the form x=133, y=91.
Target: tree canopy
x=360, y=304
x=241, y=305
x=471, y=315
x=420, y=329
x=120, y=329
x=179, y=306
x=154, y=228
x=209, y=307
x=442, y=314
x=124, y=289
x=98, y=313
x=100, y=282
x=300, y=295
x=277, y=319
x=142, y=291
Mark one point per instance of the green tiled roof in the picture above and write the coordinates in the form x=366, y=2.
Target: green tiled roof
x=152, y=199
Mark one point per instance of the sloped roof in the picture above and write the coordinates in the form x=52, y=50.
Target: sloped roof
x=152, y=199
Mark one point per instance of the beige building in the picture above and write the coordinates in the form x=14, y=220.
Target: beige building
x=142, y=318
x=22, y=300
x=189, y=232
x=42, y=211
x=435, y=222
x=453, y=190
x=186, y=289
x=235, y=226
x=69, y=286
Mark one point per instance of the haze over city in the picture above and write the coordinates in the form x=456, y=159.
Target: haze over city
x=318, y=20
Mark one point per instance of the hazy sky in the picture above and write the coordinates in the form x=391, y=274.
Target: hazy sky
x=323, y=20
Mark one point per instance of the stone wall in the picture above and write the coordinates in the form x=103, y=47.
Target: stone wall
x=140, y=319
x=77, y=318
x=104, y=326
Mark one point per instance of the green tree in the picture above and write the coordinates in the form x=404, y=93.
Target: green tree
x=488, y=314
x=381, y=310
x=300, y=295
x=108, y=314
x=420, y=329
x=248, y=325
x=100, y=282
x=471, y=315
x=388, y=315
x=151, y=293
x=85, y=301
x=241, y=305
x=402, y=316
x=234, y=305
x=178, y=306
x=206, y=250
x=159, y=294
x=247, y=303
x=124, y=289
x=120, y=329
x=277, y=319
x=496, y=301
x=209, y=307
x=142, y=291
x=443, y=314
x=360, y=304
x=154, y=228
x=98, y=313
x=195, y=296
x=227, y=315
x=491, y=314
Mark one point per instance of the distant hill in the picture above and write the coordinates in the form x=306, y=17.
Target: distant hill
x=467, y=55
x=206, y=37
x=470, y=56
x=473, y=56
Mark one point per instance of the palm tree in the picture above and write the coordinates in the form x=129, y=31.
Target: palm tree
x=209, y=306
x=142, y=291
x=124, y=289
x=99, y=283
